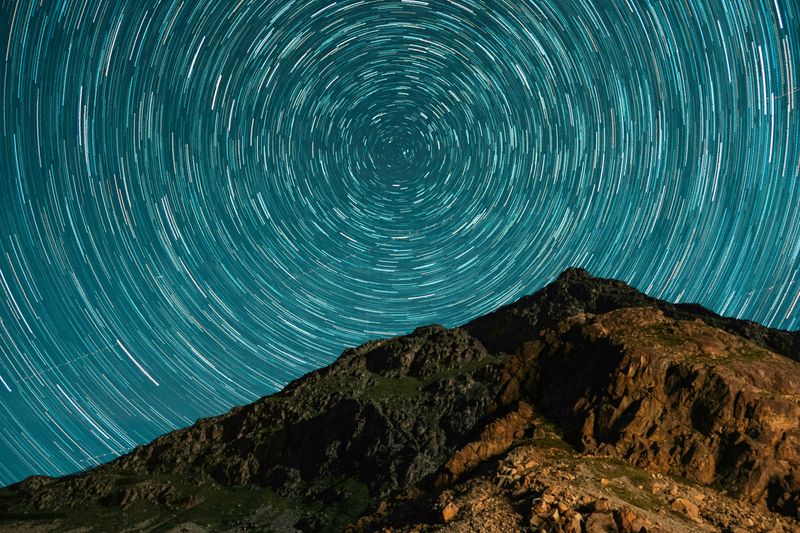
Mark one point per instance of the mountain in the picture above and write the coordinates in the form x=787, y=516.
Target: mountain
x=587, y=406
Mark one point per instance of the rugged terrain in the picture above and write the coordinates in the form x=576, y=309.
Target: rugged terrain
x=587, y=406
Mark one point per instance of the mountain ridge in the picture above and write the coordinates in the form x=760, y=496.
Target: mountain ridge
x=603, y=294
x=425, y=411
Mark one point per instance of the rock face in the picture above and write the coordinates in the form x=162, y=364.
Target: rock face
x=670, y=418
x=675, y=397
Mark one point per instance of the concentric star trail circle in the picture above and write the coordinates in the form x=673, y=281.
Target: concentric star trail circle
x=204, y=200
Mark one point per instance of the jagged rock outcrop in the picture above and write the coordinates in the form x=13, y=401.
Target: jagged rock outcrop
x=576, y=291
x=677, y=397
x=408, y=431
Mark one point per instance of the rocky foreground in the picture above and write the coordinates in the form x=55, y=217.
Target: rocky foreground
x=587, y=406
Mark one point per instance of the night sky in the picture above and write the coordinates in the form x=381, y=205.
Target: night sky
x=202, y=200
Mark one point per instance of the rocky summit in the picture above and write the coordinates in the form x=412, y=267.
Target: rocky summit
x=585, y=407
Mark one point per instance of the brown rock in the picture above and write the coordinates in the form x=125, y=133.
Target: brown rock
x=601, y=523
x=601, y=506
x=625, y=519
x=494, y=440
x=687, y=507
x=573, y=527
x=540, y=507
x=449, y=512
x=575, y=521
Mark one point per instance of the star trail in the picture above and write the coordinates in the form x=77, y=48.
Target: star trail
x=204, y=200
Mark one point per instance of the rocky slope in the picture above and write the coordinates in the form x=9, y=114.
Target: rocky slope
x=587, y=406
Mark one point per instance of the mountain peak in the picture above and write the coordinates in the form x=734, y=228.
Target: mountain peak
x=575, y=273
x=576, y=291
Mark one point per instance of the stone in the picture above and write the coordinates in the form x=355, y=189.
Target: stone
x=687, y=507
x=540, y=507
x=601, y=523
x=601, y=506
x=449, y=512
